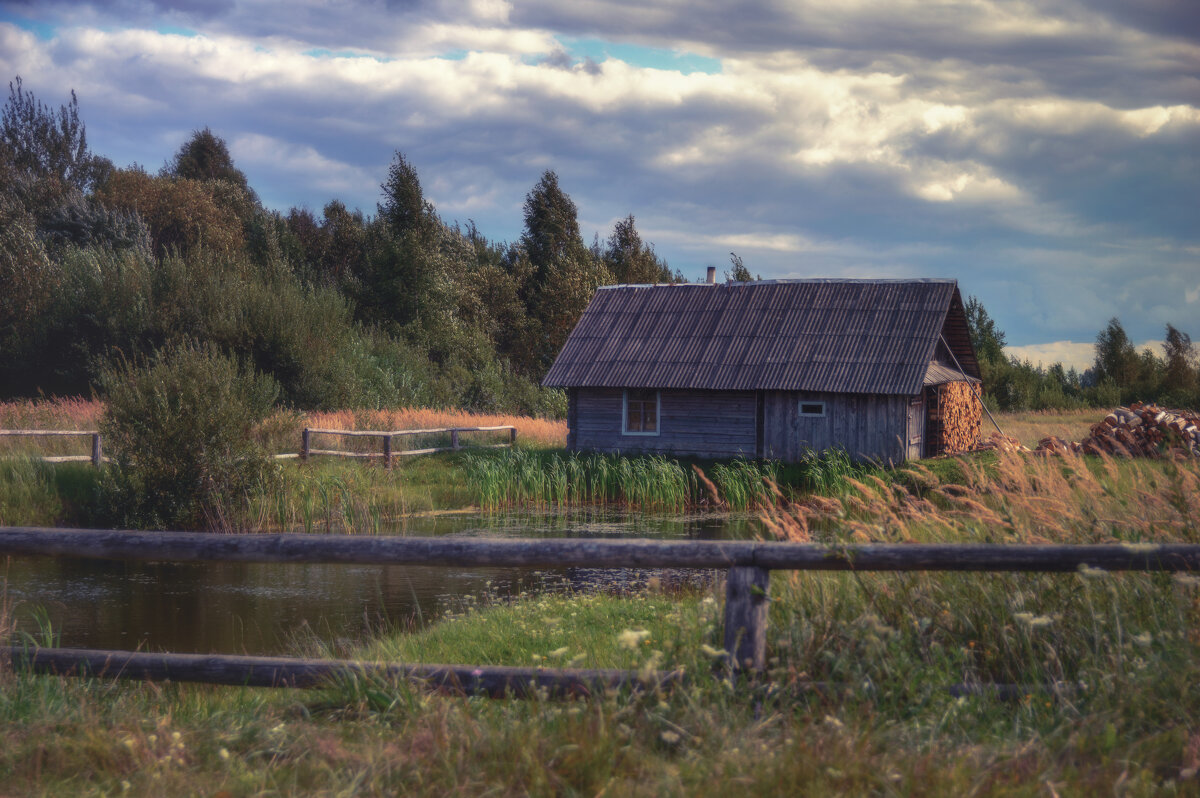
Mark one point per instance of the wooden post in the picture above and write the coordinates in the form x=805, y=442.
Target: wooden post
x=512, y=437
x=97, y=454
x=387, y=451
x=453, y=439
x=304, y=444
x=746, y=617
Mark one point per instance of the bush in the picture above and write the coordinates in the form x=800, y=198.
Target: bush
x=179, y=428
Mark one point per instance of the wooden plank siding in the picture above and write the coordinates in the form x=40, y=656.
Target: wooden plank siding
x=699, y=423
x=868, y=426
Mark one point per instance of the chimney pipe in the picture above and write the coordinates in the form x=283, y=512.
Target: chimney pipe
x=712, y=275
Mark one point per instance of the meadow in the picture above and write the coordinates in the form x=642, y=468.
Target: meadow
x=1103, y=668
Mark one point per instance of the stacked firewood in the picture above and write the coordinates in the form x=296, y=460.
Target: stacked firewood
x=1145, y=430
x=1002, y=443
x=961, y=415
x=1140, y=430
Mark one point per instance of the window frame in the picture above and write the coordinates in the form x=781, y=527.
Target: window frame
x=800, y=408
x=625, y=412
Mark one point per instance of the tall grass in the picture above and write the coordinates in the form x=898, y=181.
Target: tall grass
x=531, y=478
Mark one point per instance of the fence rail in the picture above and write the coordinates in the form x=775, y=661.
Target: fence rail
x=387, y=438
x=388, y=451
x=748, y=562
x=96, y=457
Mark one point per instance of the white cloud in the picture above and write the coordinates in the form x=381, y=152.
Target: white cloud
x=1072, y=354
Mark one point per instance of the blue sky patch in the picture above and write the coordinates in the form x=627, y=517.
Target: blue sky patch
x=321, y=52
x=42, y=29
x=636, y=55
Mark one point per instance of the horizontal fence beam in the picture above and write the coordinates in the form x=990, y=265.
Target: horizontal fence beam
x=366, y=433
x=47, y=432
x=496, y=681
x=590, y=552
x=493, y=680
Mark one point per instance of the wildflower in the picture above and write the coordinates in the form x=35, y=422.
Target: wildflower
x=715, y=653
x=1143, y=639
x=558, y=652
x=224, y=753
x=1187, y=580
x=833, y=722
x=630, y=638
x=669, y=737
x=1089, y=572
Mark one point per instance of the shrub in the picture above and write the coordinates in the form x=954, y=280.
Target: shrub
x=178, y=426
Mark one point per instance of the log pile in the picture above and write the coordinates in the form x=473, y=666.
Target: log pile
x=961, y=415
x=1140, y=430
x=1145, y=430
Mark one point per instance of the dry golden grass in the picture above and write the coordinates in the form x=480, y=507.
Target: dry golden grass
x=48, y=414
x=539, y=431
x=1024, y=498
x=1030, y=427
x=281, y=432
x=71, y=413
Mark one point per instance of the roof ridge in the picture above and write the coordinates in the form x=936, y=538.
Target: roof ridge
x=793, y=281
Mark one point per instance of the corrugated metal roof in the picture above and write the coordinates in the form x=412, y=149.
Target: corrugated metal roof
x=841, y=336
x=940, y=373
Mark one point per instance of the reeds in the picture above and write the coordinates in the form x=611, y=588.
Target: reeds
x=653, y=482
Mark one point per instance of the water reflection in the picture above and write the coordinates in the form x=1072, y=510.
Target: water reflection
x=260, y=608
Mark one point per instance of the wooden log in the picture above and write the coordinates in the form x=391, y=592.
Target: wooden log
x=305, y=441
x=340, y=453
x=589, y=552
x=47, y=432
x=387, y=451
x=97, y=453
x=490, y=680
x=746, y=617
x=453, y=439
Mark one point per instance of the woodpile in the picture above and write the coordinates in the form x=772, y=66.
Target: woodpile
x=1002, y=443
x=1145, y=430
x=955, y=418
x=1140, y=430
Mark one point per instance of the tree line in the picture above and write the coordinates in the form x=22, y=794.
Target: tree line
x=1119, y=373
x=103, y=267
x=103, y=264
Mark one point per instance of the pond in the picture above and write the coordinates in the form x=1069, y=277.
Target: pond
x=265, y=608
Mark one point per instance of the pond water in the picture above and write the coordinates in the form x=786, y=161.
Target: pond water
x=265, y=608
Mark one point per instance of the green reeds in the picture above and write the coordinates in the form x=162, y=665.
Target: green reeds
x=653, y=482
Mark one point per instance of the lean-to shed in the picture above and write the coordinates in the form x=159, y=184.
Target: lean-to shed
x=773, y=368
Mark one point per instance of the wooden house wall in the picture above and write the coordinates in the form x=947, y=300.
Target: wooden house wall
x=700, y=423
x=868, y=426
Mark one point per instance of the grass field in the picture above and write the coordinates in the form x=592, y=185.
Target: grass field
x=1120, y=652
x=1107, y=664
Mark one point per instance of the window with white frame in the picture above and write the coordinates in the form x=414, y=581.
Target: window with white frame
x=812, y=409
x=641, y=412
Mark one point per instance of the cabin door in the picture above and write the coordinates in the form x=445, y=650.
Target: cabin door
x=916, y=428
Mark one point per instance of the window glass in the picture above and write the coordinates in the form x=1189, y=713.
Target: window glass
x=641, y=412
x=812, y=408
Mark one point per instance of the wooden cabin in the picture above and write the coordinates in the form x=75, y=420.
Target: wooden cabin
x=771, y=369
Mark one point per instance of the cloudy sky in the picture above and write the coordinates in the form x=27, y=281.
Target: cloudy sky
x=1044, y=153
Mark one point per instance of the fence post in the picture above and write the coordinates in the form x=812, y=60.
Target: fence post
x=97, y=454
x=746, y=617
x=454, y=439
x=512, y=437
x=304, y=444
x=387, y=451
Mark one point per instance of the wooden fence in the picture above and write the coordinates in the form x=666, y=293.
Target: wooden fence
x=96, y=457
x=746, y=594
x=387, y=438
x=387, y=452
